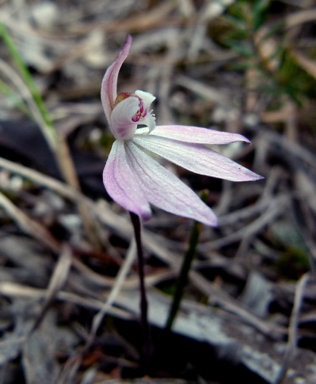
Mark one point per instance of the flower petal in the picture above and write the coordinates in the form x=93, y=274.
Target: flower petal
x=150, y=121
x=196, y=135
x=196, y=158
x=121, y=183
x=147, y=98
x=121, y=123
x=165, y=190
x=109, y=82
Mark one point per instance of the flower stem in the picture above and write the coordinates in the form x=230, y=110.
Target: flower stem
x=147, y=346
x=185, y=268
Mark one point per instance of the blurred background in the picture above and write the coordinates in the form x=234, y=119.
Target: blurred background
x=238, y=66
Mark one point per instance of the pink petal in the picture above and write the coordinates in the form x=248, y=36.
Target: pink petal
x=165, y=190
x=121, y=123
x=109, y=82
x=121, y=183
x=196, y=158
x=195, y=134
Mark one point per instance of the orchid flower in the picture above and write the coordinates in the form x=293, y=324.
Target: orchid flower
x=134, y=179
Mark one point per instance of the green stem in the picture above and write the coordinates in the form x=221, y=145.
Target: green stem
x=183, y=277
x=26, y=76
x=185, y=268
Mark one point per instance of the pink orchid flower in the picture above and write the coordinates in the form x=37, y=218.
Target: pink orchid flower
x=134, y=179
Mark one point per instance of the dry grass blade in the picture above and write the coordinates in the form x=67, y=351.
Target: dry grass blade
x=129, y=283
x=70, y=370
x=300, y=17
x=157, y=17
x=68, y=171
x=57, y=281
x=292, y=342
x=305, y=62
x=201, y=89
x=251, y=211
x=274, y=140
x=119, y=281
x=109, y=217
x=28, y=225
x=65, y=190
x=276, y=208
x=217, y=295
x=40, y=178
x=25, y=93
x=17, y=290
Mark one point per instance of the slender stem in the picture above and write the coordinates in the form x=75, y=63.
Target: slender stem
x=185, y=268
x=183, y=277
x=147, y=347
